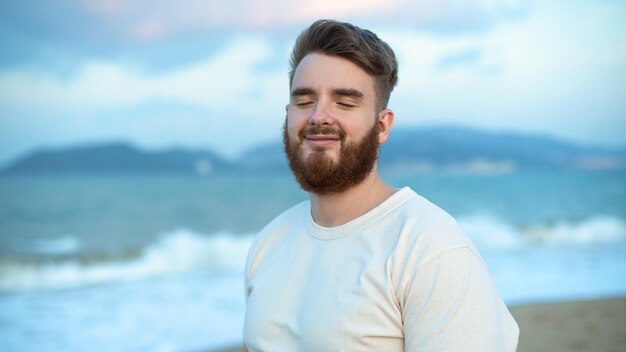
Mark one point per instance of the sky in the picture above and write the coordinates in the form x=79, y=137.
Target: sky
x=213, y=74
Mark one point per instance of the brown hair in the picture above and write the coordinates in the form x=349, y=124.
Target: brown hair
x=360, y=46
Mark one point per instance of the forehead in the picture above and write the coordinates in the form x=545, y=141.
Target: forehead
x=322, y=72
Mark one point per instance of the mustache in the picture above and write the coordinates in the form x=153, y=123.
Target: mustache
x=325, y=131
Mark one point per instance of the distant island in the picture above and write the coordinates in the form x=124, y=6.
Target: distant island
x=420, y=150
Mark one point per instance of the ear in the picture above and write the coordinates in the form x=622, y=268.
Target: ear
x=385, y=120
x=287, y=109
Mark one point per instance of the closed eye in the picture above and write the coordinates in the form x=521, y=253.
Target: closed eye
x=345, y=105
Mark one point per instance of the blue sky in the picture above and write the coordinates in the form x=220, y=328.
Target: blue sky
x=213, y=74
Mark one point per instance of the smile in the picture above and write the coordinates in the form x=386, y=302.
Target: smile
x=320, y=140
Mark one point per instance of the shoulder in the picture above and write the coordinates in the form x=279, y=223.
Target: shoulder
x=426, y=232
x=424, y=221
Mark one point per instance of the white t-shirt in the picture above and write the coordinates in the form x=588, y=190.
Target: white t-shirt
x=402, y=277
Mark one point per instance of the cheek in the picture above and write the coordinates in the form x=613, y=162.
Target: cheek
x=355, y=132
x=295, y=124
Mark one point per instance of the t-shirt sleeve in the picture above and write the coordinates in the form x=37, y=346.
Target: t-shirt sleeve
x=452, y=304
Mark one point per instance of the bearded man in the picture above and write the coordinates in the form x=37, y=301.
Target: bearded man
x=361, y=266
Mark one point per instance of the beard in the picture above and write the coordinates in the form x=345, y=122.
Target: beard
x=321, y=175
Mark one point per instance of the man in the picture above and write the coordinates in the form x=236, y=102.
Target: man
x=362, y=266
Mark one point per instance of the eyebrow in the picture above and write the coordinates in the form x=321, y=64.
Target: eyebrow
x=344, y=92
x=300, y=91
x=348, y=92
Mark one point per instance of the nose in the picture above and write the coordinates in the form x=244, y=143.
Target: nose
x=320, y=115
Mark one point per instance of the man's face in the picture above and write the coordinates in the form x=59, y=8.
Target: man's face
x=331, y=132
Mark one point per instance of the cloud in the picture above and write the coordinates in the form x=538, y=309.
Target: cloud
x=454, y=17
x=40, y=32
x=205, y=104
x=558, y=70
x=220, y=80
x=448, y=15
x=464, y=57
x=272, y=13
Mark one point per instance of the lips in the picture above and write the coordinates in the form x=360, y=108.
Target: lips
x=321, y=140
x=322, y=137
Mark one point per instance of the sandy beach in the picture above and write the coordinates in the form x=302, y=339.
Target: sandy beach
x=577, y=326
x=598, y=326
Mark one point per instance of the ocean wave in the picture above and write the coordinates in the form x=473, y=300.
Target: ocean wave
x=175, y=252
x=492, y=233
x=183, y=251
x=597, y=229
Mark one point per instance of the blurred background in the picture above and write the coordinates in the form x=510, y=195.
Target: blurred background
x=140, y=153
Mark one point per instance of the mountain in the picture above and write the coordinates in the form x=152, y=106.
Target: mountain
x=116, y=158
x=464, y=149
x=451, y=148
x=267, y=157
x=425, y=149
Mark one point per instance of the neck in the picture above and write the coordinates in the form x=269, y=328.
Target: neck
x=338, y=208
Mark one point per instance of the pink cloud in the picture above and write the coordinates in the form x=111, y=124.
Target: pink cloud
x=151, y=29
x=192, y=15
x=106, y=8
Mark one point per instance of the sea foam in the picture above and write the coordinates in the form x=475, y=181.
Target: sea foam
x=178, y=251
x=491, y=233
x=182, y=251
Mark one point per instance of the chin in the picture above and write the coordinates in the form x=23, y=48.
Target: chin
x=328, y=154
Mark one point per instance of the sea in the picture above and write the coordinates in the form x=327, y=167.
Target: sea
x=155, y=263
